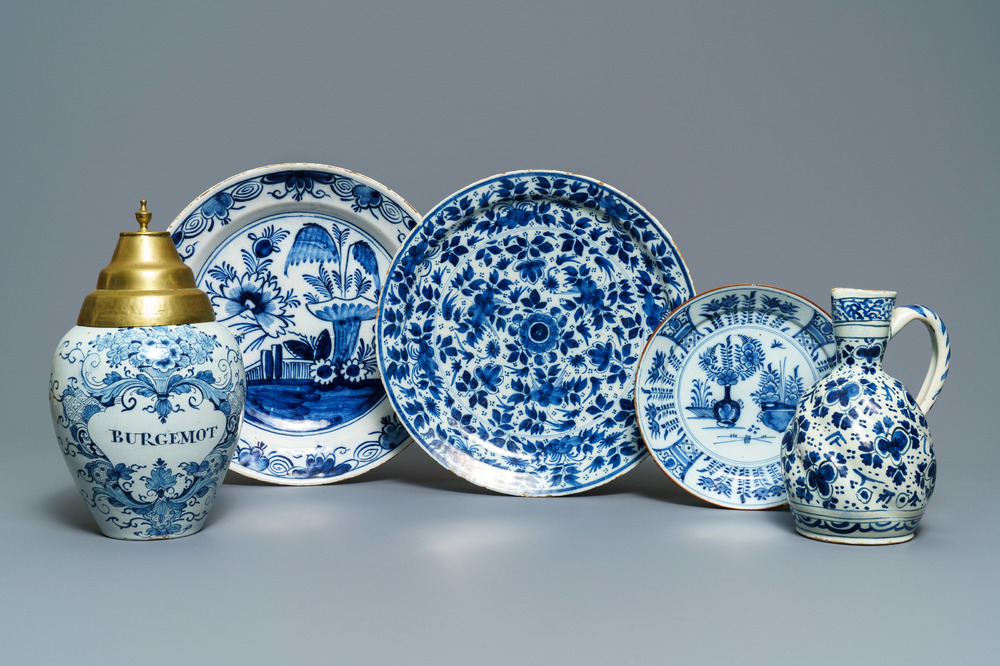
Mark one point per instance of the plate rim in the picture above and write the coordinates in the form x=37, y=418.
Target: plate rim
x=256, y=172
x=437, y=209
x=642, y=356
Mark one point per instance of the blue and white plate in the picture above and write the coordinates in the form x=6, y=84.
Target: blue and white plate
x=511, y=324
x=719, y=382
x=293, y=257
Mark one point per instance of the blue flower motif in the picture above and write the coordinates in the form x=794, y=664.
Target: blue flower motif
x=298, y=183
x=160, y=352
x=118, y=473
x=489, y=377
x=539, y=332
x=484, y=304
x=728, y=377
x=266, y=243
x=253, y=458
x=366, y=197
x=803, y=426
x=414, y=258
x=163, y=358
x=820, y=478
x=548, y=392
x=561, y=448
x=591, y=295
x=321, y=465
x=654, y=311
x=895, y=445
x=613, y=207
x=255, y=295
x=600, y=355
x=869, y=456
x=729, y=303
x=161, y=479
x=531, y=269
x=352, y=371
x=751, y=353
x=772, y=303
x=425, y=358
x=843, y=392
x=218, y=207
x=393, y=433
x=517, y=217
x=869, y=353
x=534, y=300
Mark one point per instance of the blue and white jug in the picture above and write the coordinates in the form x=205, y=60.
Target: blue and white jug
x=147, y=394
x=857, y=458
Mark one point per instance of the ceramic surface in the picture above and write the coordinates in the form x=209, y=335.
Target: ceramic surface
x=718, y=383
x=857, y=458
x=147, y=419
x=293, y=257
x=511, y=324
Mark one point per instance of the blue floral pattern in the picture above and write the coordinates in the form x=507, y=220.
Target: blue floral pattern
x=145, y=484
x=857, y=458
x=293, y=258
x=297, y=183
x=155, y=363
x=718, y=384
x=863, y=309
x=322, y=462
x=510, y=325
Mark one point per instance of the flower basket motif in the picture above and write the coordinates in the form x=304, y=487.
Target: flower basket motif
x=777, y=396
x=727, y=364
x=293, y=258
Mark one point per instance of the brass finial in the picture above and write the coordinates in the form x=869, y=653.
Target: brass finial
x=143, y=216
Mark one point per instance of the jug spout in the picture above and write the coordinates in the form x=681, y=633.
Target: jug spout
x=861, y=320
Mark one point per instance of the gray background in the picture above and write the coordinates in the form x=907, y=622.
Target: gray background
x=805, y=145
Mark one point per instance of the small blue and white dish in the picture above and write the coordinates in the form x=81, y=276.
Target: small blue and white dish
x=511, y=324
x=718, y=384
x=293, y=257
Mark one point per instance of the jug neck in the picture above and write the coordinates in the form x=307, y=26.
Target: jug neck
x=861, y=320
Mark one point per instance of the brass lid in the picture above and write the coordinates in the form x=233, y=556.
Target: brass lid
x=146, y=284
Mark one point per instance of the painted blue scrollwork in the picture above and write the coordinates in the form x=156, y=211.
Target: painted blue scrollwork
x=165, y=371
x=295, y=185
x=156, y=365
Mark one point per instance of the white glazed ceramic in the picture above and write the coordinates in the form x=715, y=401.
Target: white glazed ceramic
x=718, y=383
x=857, y=458
x=293, y=257
x=147, y=419
x=511, y=324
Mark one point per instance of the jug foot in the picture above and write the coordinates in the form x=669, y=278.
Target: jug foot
x=876, y=527
x=856, y=541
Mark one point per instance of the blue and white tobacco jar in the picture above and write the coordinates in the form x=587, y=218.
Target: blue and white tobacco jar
x=857, y=459
x=147, y=394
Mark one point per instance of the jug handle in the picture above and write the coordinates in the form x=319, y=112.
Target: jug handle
x=940, y=349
